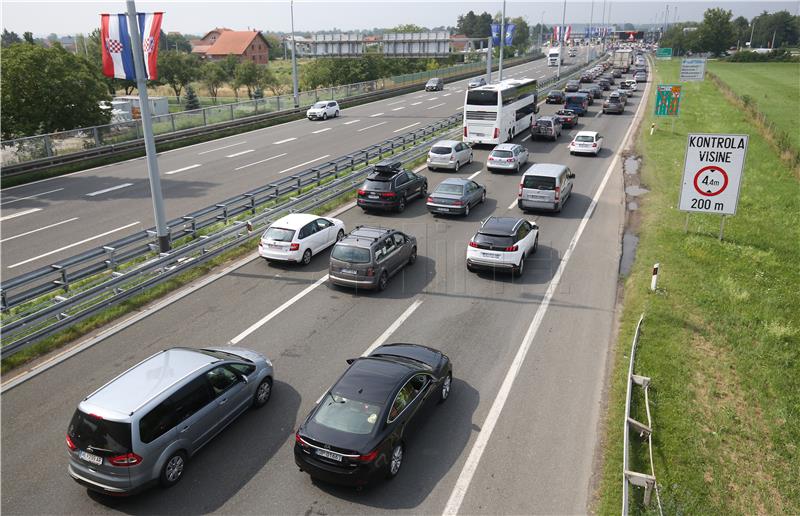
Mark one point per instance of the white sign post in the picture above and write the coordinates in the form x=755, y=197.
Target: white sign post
x=693, y=69
x=712, y=174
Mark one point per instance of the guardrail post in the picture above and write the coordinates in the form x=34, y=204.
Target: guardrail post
x=231, y=108
x=48, y=146
x=64, y=281
x=3, y=301
x=172, y=119
x=192, y=224
x=138, y=125
x=224, y=215
x=278, y=103
x=319, y=182
x=111, y=261
x=96, y=134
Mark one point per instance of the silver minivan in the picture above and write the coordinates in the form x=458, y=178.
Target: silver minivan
x=142, y=426
x=545, y=186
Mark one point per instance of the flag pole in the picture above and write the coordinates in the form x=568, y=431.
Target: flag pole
x=162, y=232
x=502, y=42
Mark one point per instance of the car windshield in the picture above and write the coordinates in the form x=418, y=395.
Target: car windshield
x=584, y=138
x=279, y=234
x=555, y=93
x=350, y=254
x=441, y=150
x=445, y=188
x=502, y=153
x=104, y=437
x=320, y=105
x=377, y=186
x=539, y=182
x=433, y=82
x=346, y=415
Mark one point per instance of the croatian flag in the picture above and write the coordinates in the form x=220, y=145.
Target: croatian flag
x=556, y=33
x=116, y=45
x=567, y=32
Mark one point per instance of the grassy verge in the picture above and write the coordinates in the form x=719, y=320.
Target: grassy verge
x=721, y=336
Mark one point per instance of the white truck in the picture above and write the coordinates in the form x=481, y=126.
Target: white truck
x=554, y=56
x=623, y=59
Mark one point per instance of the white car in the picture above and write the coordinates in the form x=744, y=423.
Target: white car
x=586, y=142
x=449, y=154
x=324, y=110
x=299, y=236
x=631, y=84
x=502, y=243
x=507, y=157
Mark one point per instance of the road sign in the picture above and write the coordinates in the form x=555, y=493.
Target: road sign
x=663, y=53
x=668, y=99
x=693, y=69
x=712, y=173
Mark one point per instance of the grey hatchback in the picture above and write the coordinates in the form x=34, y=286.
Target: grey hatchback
x=142, y=426
x=369, y=256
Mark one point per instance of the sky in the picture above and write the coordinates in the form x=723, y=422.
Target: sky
x=69, y=17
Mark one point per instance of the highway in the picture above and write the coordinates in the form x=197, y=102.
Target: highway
x=50, y=220
x=519, y=433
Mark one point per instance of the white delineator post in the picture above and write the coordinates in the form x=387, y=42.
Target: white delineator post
x=654, y=280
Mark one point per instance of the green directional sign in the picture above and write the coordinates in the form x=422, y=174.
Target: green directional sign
x=664, y=53
x=668, y=99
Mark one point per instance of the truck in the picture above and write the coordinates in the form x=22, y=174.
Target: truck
x=554, y=56
x=623, y=59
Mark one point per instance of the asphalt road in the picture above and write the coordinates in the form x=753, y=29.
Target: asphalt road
x=50, y=220
x=535, y=417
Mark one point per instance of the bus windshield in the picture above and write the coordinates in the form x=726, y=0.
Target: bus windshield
x=482, y=98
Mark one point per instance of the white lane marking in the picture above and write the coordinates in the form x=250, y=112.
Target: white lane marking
x=416, y=103
x=397, y=102
x=351, y=122
x=20, y=214
x=511, y=206
x=526, y=138
x=446, y=94
x=267, y=318
x=398, y=108
x=183, y=169
x=433, y=98
x=118, y=187
x=220, y=148
x=240, y=153
x=436, y=105
x=304, y=163
x=543, y=76
x=419, y=96
x=260, y=161
x=471, y=464
x=404, y=128
x=376, y=114
x=101, y=235
x=370, y=126
x=473, y=176
x=32, y=196
x=284, y=141
x=459, y=91
x=37, y=230
x=393, y=328
x=321, y=130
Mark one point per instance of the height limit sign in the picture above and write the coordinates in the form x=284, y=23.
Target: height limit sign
x=712, y=173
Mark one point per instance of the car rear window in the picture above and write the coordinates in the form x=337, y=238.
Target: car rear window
x=444, y=188
x=279, y=234
x=106, y=438
x=584, y=138
x=482, y=98
x=375, y=185
x=544, y=123
x=502, y=153
x=351, y=254
x=494, y=240
x=441, y=150
x=346, y=415
x=539, y=182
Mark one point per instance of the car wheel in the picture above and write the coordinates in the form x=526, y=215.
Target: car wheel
x=383, y=281
x=458, y=165
x=466, y=210
x=444, y=392
x=535, y=244
x=470, y=157
x=483, y=197
x=173, y=469
x=470, y=268
x=519, y=168
x=306, y=257
x=336, y=114
x=263, y=393
x=324, y=116
x=518, y=270
x=340, y=235
x=402, y=205
x=424, y=192
x=396, y=460
x=413, y=257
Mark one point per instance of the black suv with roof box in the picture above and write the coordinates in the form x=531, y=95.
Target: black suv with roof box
x=369, y=256
x=390, y=187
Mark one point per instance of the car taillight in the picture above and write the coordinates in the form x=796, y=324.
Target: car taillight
x=370, y=271
x=519, y=194
x=388, y=195
x=129, y=459
x=299, y=440
x=294, y=247
x=430, y=199
x=496, y=132
x=369, y=457
x=362, y=192
x=70, y=444
x=558, y=192
x=511, y=248
x=465, y=131
x=458, y=203
x=594, y=145
x=472, y=244
x=510, y=160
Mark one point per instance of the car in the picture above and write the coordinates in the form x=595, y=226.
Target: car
x=299, y=236
x=568, y=118
x=502, y=243
x=476, y=82
x=573, y=52
x=577, y=102
x=545, y=186
x=622, y=95
x=616, y=73
x=608, y=77
x=640, y=76
x=626, y=87
x=586, y=77
x=434, y=84
x=390, y=187
x=455, y=196
x=323, y=110
x=632, y=84
x=449, y=154
x=589, y=95
x=572, y=86
x=143, y=426
x=595, y=89
x=357, y=433
x=546, y=126
x=614, y=104
x=555, y=97
x=507, y=156
x=370, y=255
x=604, y=84
x=586, y=142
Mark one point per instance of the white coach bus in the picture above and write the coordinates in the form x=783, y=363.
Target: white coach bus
x=495, y=113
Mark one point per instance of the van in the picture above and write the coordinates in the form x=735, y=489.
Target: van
x=142, y=426
x=545, y=186
x=577, y=102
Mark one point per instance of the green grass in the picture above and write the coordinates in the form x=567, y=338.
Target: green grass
x=721, y=338
x=773, y=87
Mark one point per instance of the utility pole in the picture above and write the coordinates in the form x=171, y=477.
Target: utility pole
x=603, y=23
x=752, y=29
x=561, y=40
x=589, y=50
x=294, y=58
x=147, y=126
x=541, y=26
x=489, y=62
x=772, y=45
x=502, y=42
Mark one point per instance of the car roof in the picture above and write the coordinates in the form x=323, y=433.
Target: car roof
x=505, y=146
x=456, y=181
x=450, y=143
x=294, y=220
x=365, y=236
x=586, y=133
x=373, y=379
x=500, y=225
x=148, y=379
x=544, y=169
x=545, y=117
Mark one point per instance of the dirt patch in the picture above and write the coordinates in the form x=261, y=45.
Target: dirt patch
x=631, y=165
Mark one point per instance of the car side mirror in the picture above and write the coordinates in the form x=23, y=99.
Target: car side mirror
x=571, y=175
x=243, y=377
x=350, y=360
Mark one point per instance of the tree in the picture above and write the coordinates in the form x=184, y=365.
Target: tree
x=521, y=37
x=274, y=45
x=9, y=38
x=267, y=79
x=49, y=89
x=628, y=26
x=248, y=75
x=741, y=28
x=192, y=102
x=28, y=37
x=213, y=77
x=94, y=51
x=174, y=41
x=716, y=33
x=467, y=23
x=408, y=27
x=177, y=69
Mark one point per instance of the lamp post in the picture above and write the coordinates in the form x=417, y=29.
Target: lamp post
x=589, y=50
x=294, y=58
x=502, y=42
x=541, y=26
x=561, y=39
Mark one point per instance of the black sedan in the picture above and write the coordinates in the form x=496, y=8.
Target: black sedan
x=555, y=97
x=455, y=195
x=357, y=432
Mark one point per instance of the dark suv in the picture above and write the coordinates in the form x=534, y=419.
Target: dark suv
x=369, y=256
x=435, y=84
x=390, y=187
x=572, y=86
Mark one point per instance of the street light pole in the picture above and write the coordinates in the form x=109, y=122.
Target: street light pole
x=502, y=42
x=589, y=50
x=147, y=127
x=561, y=40
x=294, y=58
x=541, y=26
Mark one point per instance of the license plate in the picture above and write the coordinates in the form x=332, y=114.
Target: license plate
x=275, y=246
x=536, y=197
x=479, y=134
x=329, y=455
x=373, y=196
x=349, y=271
x=444, y=209
x=491, y=255
x=90, y=457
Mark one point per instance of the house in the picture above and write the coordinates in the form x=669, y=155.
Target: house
x=247, y=45
x=460, y=43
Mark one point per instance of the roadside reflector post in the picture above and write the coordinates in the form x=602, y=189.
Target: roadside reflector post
x=652, y=128
x=721, y=228
x=249, y=226
x=654, y=280
x=686, y=224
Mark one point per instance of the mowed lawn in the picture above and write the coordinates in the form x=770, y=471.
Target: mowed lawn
x=721, y=338
x=774, y=87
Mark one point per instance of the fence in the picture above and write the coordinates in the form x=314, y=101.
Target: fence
x=32, y=148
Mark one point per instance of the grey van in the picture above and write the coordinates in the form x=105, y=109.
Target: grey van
x=545, y=186
x=142, y=426
x=369, y=256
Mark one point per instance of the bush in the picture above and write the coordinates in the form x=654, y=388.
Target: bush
x=192, y=102
x=777, y=55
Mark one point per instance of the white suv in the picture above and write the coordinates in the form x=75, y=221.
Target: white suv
x=323, y=109
x=502, y=243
